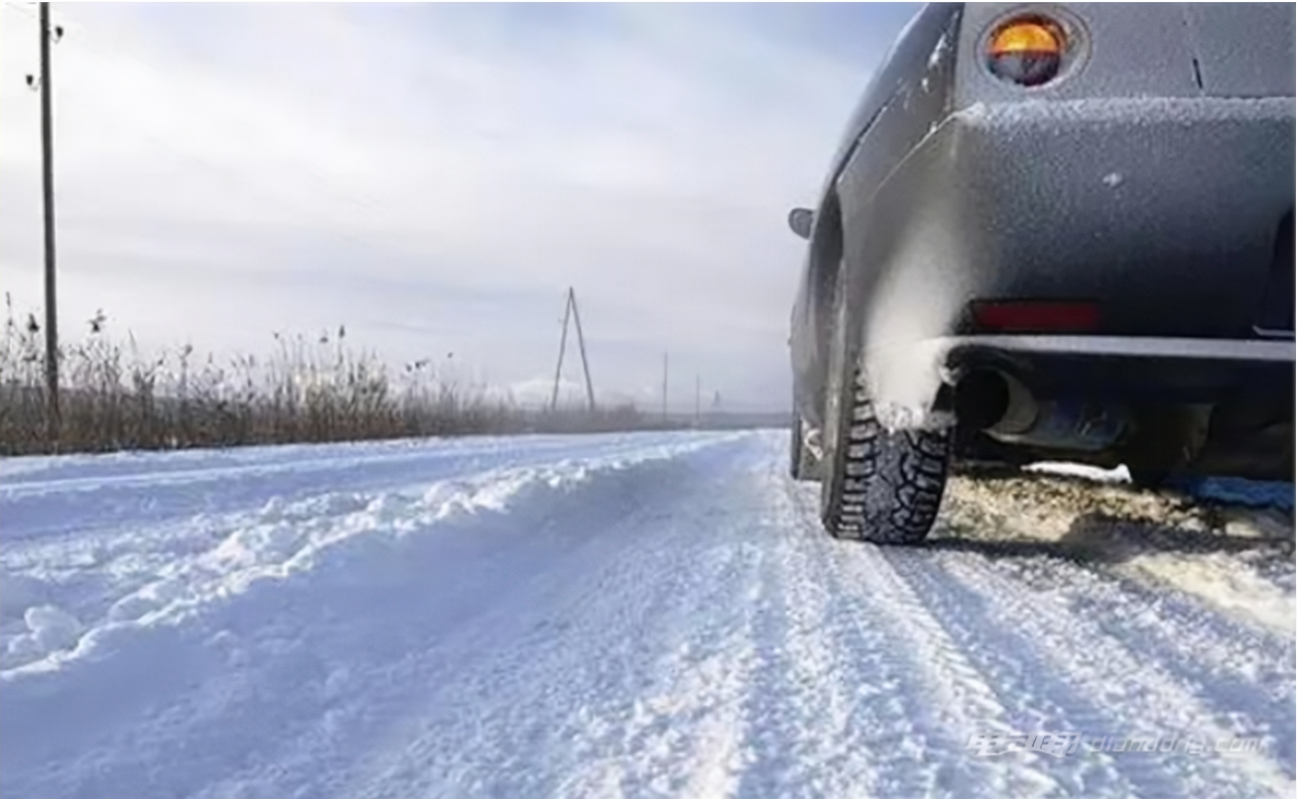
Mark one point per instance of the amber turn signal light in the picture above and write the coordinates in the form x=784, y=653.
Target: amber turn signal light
x=1026, y=50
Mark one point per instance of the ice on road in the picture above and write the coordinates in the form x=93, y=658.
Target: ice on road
x=623, y=616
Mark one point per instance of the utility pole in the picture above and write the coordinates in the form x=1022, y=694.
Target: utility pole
x=664, y=388
x=52, y=420
x=698, y=400
x=563, y=343
x=570, y=312
x=581, y=346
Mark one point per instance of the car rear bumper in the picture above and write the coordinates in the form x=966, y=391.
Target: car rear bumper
x=1240, y=391
x=1166, y=212
x=1160, y=369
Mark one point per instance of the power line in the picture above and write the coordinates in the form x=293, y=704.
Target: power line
x=21, y=9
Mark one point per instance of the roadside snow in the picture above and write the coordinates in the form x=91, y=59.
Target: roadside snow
x=624, y=615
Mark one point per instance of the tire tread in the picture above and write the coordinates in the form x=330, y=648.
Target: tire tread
x=892, y=483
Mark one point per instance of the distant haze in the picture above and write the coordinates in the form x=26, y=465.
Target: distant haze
x=435, y=176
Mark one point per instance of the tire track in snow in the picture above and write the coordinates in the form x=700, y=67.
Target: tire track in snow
x=1099, y=686
x=934, y=686
x=1235, y=663
x=1039, y=699
x=1235, y=670
x=813, y=710
x=684, y=734
x=799, y=705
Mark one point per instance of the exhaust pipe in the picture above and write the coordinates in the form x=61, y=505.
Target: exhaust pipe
x=982, y=398
x=1005, y=409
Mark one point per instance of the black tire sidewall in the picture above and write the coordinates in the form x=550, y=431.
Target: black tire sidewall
x=839, y=385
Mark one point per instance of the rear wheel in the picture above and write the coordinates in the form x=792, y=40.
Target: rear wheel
x=878, y=486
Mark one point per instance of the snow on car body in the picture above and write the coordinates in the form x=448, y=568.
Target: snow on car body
x=1069, y=228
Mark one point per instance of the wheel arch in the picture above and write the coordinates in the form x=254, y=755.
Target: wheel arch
x=826, y=265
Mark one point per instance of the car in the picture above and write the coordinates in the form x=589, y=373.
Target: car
x=1051, y=232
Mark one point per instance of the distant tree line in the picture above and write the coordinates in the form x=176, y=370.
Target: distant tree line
x=313, y=389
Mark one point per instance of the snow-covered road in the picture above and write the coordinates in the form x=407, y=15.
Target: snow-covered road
x=635, y=615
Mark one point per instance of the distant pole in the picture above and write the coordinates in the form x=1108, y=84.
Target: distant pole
x=664, y=388
x=563, y=343
x=581, y=345
x=52, y=421
x=698, y=400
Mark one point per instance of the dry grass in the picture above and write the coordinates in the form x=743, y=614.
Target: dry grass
x=308, y=390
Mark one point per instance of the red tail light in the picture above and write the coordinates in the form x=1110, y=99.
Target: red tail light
x=1036, y=316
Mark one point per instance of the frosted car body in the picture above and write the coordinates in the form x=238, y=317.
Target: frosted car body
x=1097, y=267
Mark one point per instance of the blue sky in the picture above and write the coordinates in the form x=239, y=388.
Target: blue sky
x=436, y=176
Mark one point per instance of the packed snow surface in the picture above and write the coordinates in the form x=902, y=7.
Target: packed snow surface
x=623, y=616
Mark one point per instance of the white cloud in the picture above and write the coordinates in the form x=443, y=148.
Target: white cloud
x=432, y=176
